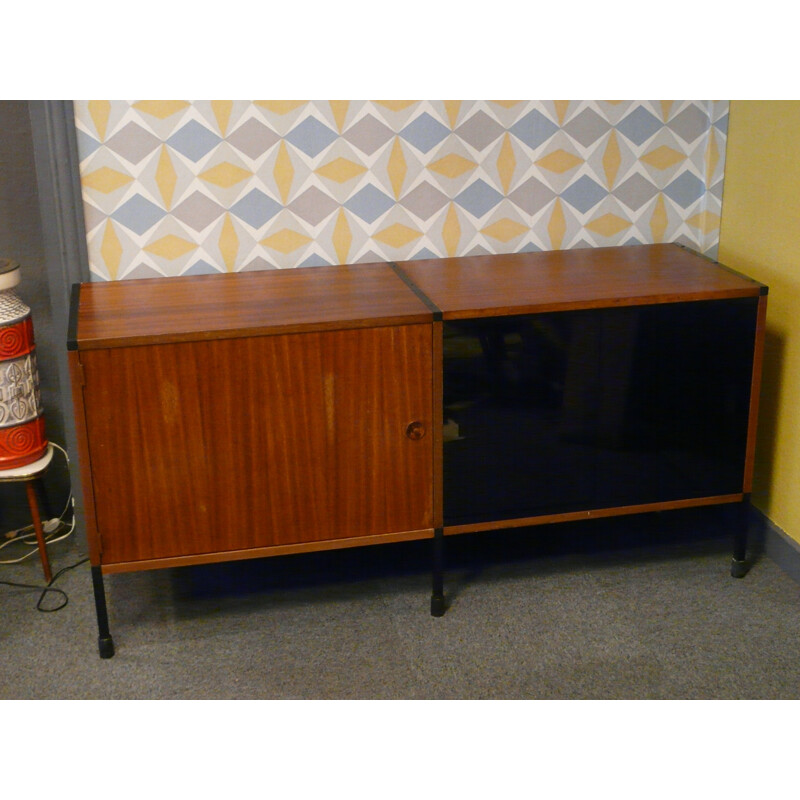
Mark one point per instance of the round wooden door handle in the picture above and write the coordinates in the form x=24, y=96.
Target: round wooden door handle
x=415, y=430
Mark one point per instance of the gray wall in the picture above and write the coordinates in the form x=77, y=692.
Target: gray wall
x=21, y=240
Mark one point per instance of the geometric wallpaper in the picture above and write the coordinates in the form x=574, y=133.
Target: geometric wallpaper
x=193, y=187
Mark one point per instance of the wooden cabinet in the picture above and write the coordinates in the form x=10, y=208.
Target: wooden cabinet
x=238, y=416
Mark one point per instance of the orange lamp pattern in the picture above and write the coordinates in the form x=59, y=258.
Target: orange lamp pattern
x=22, y=434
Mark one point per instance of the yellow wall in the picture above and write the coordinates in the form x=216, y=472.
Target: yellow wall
x=760, y=236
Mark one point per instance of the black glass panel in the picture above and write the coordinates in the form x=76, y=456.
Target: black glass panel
x=575, y=410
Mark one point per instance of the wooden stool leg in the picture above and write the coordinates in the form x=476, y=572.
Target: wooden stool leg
x=37, y=526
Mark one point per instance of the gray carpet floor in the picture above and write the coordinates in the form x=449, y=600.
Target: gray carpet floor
x=634, y=608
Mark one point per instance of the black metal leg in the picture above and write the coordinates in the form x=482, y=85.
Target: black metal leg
x=437, y=596
x=104, y=640
x=741, y=519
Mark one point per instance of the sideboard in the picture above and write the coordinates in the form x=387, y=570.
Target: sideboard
x=246, y=415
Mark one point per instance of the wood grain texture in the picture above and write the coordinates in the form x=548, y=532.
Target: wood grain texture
x=84, y=460
x=523, y=283
x=575, y=516
x=266, y=552
x=232, y=444
x=206, y=307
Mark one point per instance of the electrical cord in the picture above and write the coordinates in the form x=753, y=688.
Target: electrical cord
x=25, y=536
x=25, y=539
x=49, y=588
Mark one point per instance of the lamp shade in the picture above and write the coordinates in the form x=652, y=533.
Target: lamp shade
x=22, y=436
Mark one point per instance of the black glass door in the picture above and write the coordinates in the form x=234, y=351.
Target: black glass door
x=576, y=410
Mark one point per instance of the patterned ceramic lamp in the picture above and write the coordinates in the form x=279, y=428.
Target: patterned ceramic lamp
x=22, y=436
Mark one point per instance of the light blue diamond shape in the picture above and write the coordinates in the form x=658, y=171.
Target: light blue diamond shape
x=138, y=214
x=685, y=189
x=478, y=198
x=311, y=136
x=639, y=125
x=86, y=144
x=369, y=203
x=315, y=260
x=424, y=132
x=201, y=268
x=534, y=129
x=256, y=208
x=422, y=254
x=584, y=194
x=194, y=140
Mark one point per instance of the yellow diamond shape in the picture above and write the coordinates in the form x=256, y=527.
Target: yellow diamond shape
x=706, y=221
x=99, y=111
x=612, y=159
x=340, y=170
x=111, y=250
x=286, y=241
x=166, y=177
x=395, y=105
x=608, y=225
x=504, y=230
x=225, y=175
x=559, y=161
x=659, y=220
x=280, y=106
x=228, y=243
x=451, y=230
x=506, y=163
x=170, y=247
x=106, y=180
x=161, y=109
x=342, y=237
x=663, y=157
x=283, y=172
x=397, y=235
x=452, y=165
x=557, y=226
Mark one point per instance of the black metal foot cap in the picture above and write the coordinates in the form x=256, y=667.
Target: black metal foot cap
x=106, y=647
x=738, y=568
x=438, y=606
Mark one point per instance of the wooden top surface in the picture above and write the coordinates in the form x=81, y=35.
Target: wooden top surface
x=561, y=280
x=159, y=310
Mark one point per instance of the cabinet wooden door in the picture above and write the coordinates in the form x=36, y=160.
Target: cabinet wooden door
x=214, y=446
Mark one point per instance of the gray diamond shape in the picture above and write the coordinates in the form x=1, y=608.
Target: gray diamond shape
x=639, y=125
x=313, y=205
x=138, y=214
x=424, y=132
x=534, y=129
x=425, y=200
x=311, y=136
x=480, y=130
x=635, y=192
x=584, y=194
x=587, y=127
x=690, y=123
x=685, y=189
x=369, y=203
x=256, y=208
x=368, y=135
x=198, y=211
x=253, y=138
x=532, y=196
x=133, y=142
x=478, y=198
x=194, y=140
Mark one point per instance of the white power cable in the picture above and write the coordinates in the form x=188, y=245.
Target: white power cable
x=24, y=536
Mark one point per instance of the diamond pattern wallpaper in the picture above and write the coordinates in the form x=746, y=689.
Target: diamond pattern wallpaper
x=193, y=187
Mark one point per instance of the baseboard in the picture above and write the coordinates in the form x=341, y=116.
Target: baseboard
x=776, y=543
